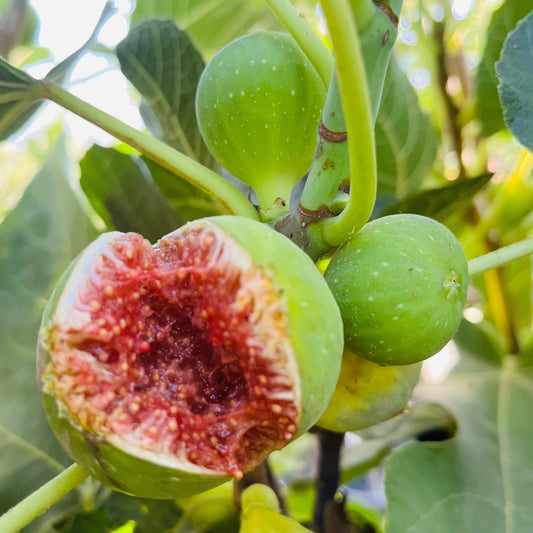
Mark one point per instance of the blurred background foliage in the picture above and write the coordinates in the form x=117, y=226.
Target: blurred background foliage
x=443, y=151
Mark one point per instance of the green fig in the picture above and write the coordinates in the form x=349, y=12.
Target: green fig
x=367, y=393
x=260, y=513
x=258, y=104
x=401, y=285
x=166, y=370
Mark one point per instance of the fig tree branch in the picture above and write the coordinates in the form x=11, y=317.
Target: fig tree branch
x=353, y=89
x=328, y=476
x=327, y=189
x=44, y=497
x=452, y=111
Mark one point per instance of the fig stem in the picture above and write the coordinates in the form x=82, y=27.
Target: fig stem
x=310, y=43
x=500, y=257
x=353, y=89
x=231, y=199
x=44, y=497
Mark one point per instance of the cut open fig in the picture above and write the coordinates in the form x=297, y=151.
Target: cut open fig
x=167, y=369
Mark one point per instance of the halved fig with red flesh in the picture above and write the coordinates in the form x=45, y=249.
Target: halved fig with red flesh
x=166, y=369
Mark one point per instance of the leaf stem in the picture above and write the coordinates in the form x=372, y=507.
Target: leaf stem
x=39, y=501
x=500, y=257
x=231, y=199
x=315, y=50
x=355, y=98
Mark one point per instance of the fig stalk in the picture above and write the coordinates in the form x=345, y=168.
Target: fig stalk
x=230, y=198
x=354, y=93
x=500, y=257
x=39, y=501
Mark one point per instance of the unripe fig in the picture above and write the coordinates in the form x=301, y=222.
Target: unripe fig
x=367, y=393
x=165, y=370
x=401, y=286
x=258, y=104
x=260, y=513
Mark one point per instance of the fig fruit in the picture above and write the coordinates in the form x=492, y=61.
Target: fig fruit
x=167, y=369
x=258, y=104
x=367, y=393
x=401, y=285
x=261, y=514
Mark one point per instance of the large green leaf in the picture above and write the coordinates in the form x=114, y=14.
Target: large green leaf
x=163, y=64
x=145, y=516
x=123, y=193
x=189, y=201
x=406, y=143
x=515, y=72
x=16, y=101
x=38, y=239
x=211, y=23
x=379, y=440
x=489, y=111
x=481, y=479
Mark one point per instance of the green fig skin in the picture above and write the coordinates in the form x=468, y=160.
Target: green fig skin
x=122, y=471
x=367, y=394
x=301, y=288
x=401, y=286
x=258, y=104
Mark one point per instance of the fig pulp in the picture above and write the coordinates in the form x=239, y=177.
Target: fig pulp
x=166, y=369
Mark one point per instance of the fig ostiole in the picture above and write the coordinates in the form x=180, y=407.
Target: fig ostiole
x=258, y=104
x=401, y=285
x=167, y=369
x=367, y=393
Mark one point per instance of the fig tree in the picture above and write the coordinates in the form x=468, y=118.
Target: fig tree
x=258, y=104
x=401, y=285
x=367, y=393
x=167, y=369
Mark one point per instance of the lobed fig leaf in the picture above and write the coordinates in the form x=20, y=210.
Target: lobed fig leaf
x=258, y=103
x=367, y=393
x=401, y=285
x=167, y=369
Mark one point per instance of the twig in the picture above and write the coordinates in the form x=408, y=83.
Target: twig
x=452, y=110
x=328, y=478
